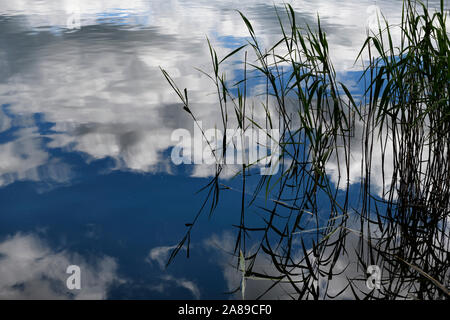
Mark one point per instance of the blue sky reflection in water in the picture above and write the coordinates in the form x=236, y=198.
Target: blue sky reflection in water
x=85, y=136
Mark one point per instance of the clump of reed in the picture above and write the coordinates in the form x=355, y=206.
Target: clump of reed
x=307, y=219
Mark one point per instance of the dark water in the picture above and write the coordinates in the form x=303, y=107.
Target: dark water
x=86, y=119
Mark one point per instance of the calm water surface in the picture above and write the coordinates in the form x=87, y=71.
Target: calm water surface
x=85, y=136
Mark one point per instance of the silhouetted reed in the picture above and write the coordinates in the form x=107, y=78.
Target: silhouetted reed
x=401, y=126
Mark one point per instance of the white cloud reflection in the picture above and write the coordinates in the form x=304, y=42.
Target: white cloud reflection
x=160, y=255
x=347, y=268
x=30, y=269
x=25, y=159
x=101, y=85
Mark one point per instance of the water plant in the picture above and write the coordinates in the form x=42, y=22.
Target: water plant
x=316, y=236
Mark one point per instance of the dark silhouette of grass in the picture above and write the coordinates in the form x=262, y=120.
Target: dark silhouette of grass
x=403, y=116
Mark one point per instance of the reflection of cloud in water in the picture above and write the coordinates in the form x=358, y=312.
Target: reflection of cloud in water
x=345, y=21
x=30, y=269
x=381, y=162
x=223, y=246
x=24, y=159
x=346, y=267
x=160, y=255
x=101, y=86
x=5, y=121
x=179, y=282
